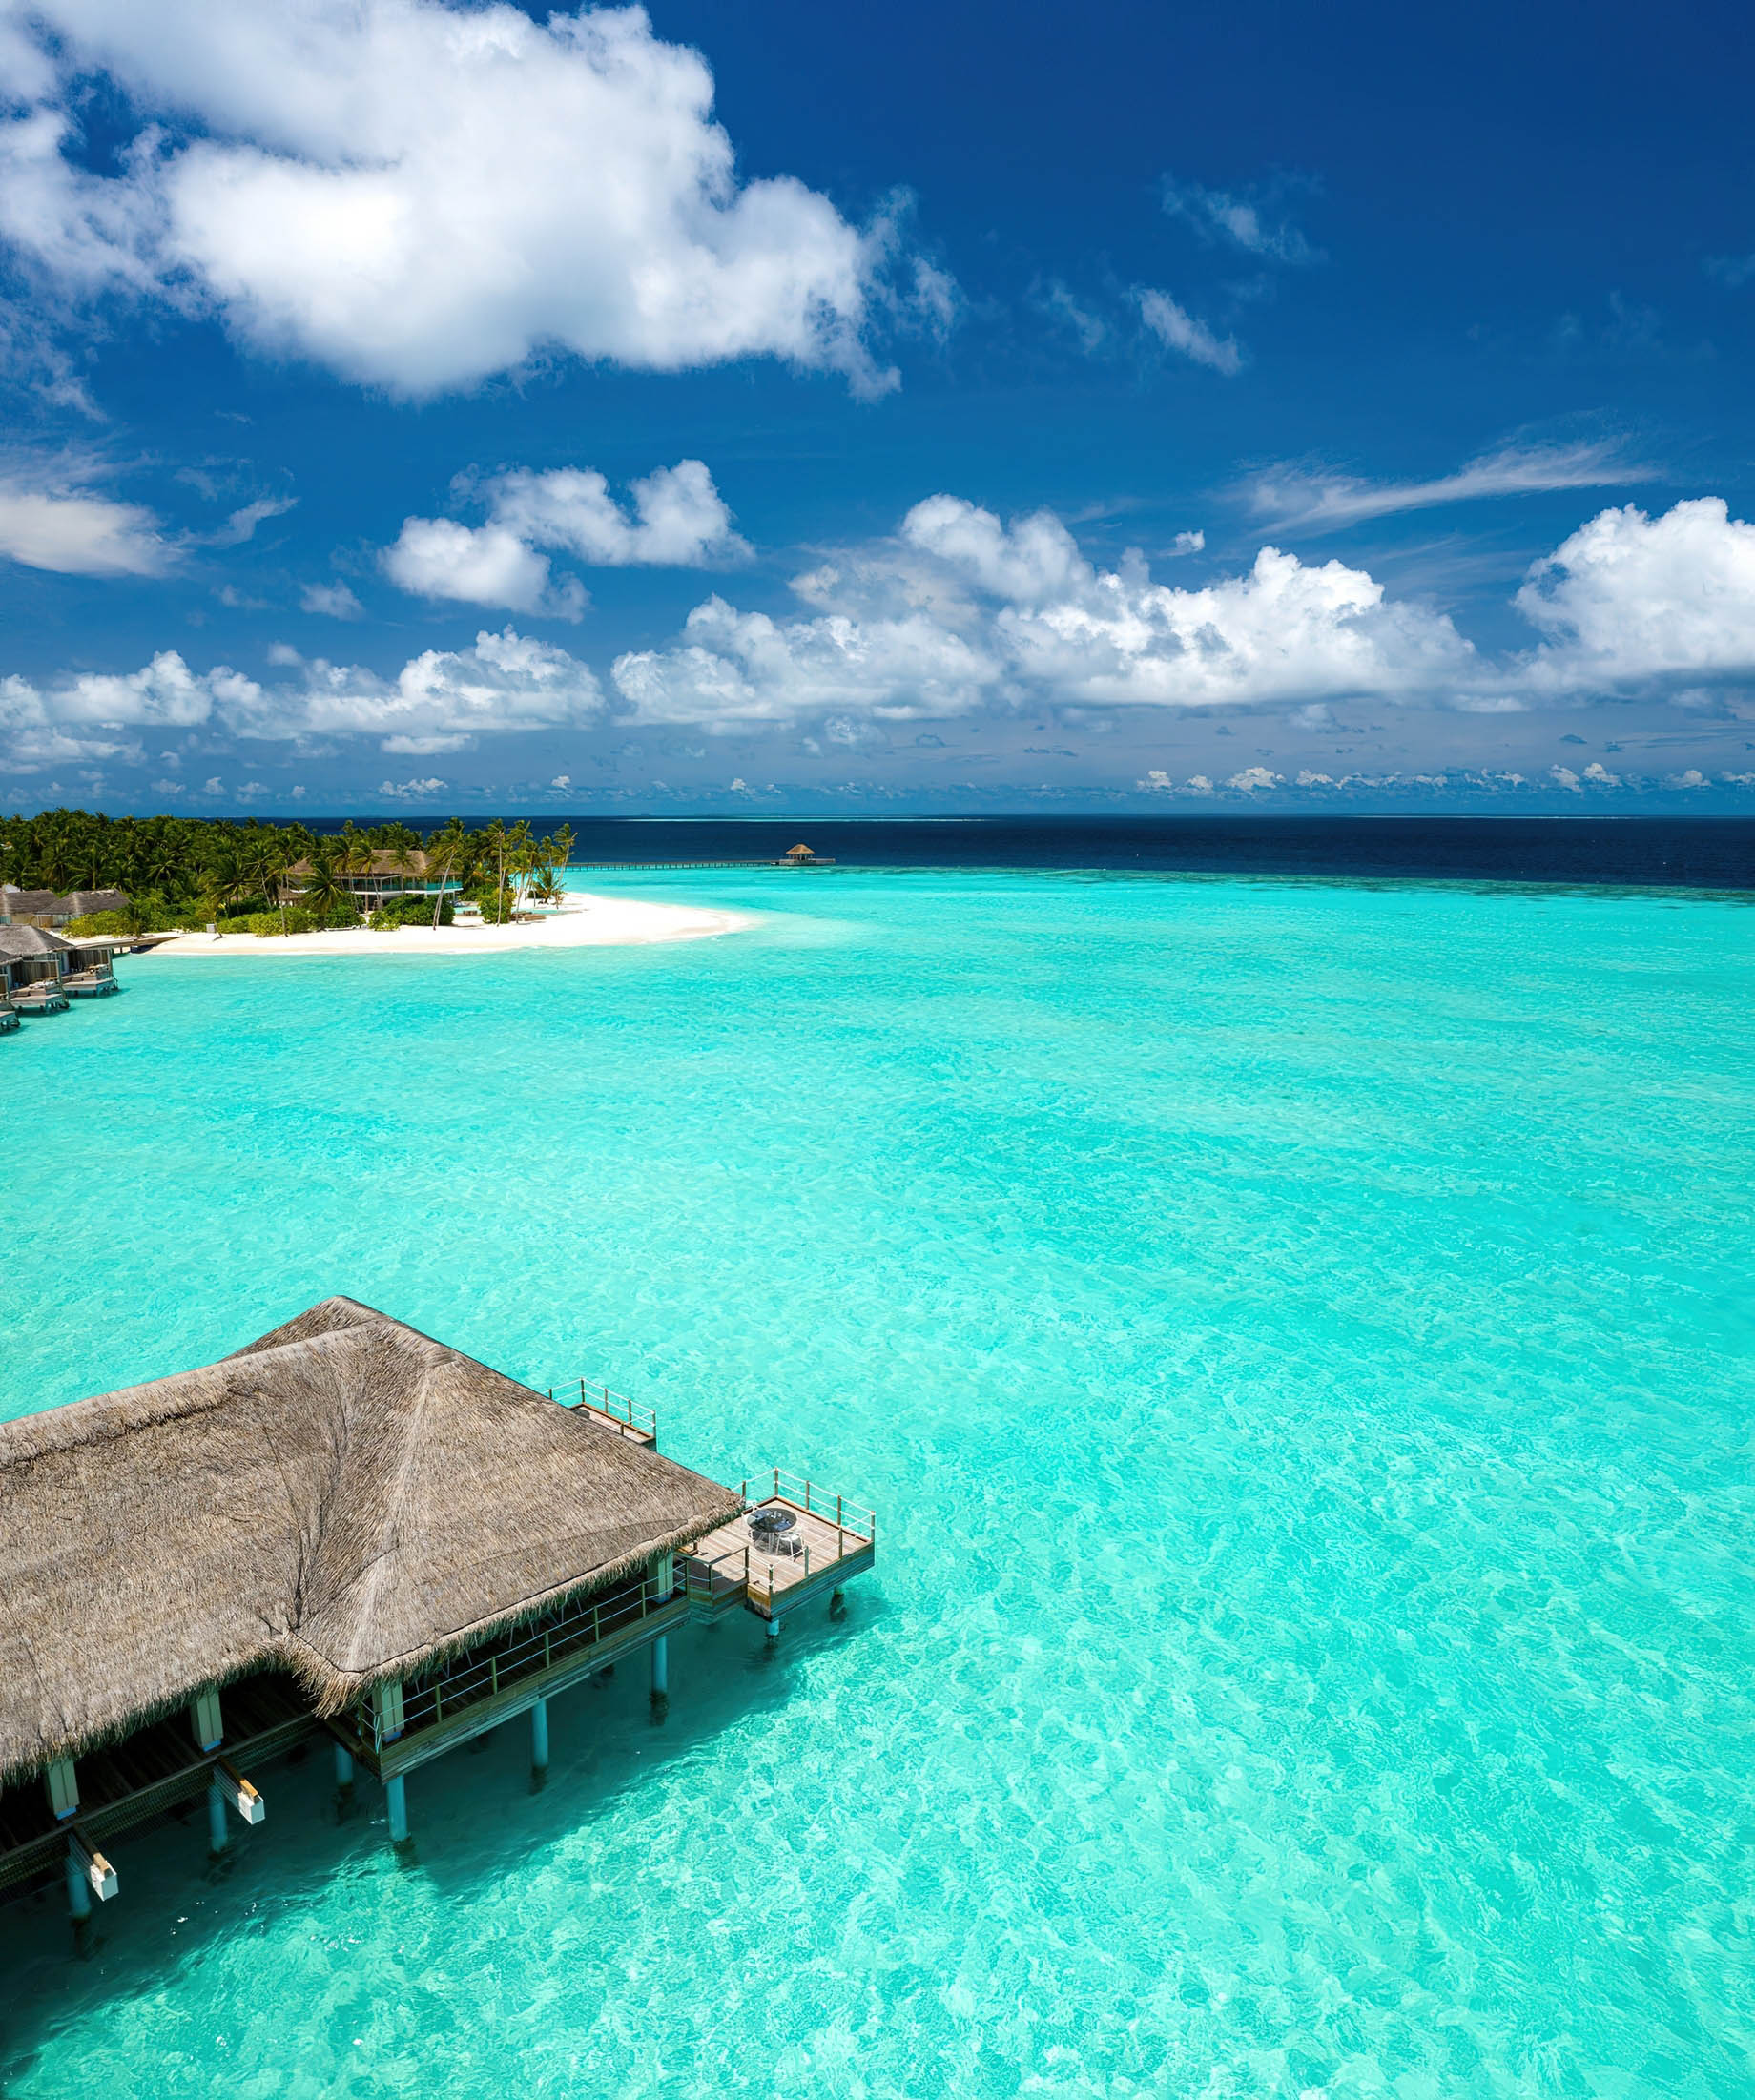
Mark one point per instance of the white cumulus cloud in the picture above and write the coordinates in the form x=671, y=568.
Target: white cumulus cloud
x=419, y=194
x=1630, y=601
x=480, y=566
x=678, y=520
x=961, y=609
x=442, y=700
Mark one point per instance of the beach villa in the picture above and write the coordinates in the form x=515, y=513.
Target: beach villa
x=346, y=1531
x=47, y=909
x=393, y=875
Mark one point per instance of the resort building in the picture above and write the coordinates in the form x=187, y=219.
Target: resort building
x=344, y=1530
x=45, y=908
x=393, y=875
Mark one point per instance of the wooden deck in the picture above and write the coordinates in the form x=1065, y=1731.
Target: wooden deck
x=503, y=1678
x=733, y=1565
x=157, y=1769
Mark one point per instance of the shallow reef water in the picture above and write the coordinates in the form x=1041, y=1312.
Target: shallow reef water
x=1298, y=1337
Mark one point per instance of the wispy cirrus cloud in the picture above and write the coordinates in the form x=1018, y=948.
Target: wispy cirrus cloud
x=1183, y=332
x=1733, y=272
x=1297, y=498
x=1246, y=220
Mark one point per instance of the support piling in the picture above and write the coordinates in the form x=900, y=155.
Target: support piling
x=395, y=1800
x=539, y=1736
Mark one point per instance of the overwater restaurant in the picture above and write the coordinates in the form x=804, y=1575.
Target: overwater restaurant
x=345, y=1532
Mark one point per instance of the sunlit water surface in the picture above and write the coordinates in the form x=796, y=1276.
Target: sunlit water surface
x=1299, y=1340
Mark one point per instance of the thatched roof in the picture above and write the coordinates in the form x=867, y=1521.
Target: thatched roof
x=18, y=942
x=50, y=904
x=384, y=862
x=344, y=1498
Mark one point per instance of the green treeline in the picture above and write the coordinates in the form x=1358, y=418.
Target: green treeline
x=177, y=869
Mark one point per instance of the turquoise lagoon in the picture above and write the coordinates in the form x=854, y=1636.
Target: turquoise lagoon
x=1299, y=1338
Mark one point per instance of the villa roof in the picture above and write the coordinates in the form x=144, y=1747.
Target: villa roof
x=383, y=862
x=345, y=1498
x=18, y=941
x=51, y=904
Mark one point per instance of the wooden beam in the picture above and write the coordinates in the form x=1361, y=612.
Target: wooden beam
x=91, y=1867
x=237, y=1791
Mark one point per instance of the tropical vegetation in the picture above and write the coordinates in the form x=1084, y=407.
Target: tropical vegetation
x=180, y=870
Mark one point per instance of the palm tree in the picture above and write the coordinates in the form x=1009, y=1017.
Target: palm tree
x=358, y=857
x=268, y=862
x=524, y=857
x=227, y=882
x=494, y=836
x=442, y=854
x=324, y=893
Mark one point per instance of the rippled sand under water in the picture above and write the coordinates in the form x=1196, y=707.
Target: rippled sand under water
x=1299, y=1340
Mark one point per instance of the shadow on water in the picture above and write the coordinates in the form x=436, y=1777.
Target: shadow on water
x=477, y=1816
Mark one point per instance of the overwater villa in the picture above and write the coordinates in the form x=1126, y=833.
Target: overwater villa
x=393, y=875
x=40, y=971
x=345, y=1531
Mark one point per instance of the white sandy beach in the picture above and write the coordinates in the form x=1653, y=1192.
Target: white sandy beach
x=581, y=921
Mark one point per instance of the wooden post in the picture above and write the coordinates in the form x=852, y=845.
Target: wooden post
x=539, y=1736
x=63, y=1783
x=205, y=1719
x=78, y=1889
x=396, y=1799
x=661, y=1667
x=387, y=1706
x=343, y=1765
x=216, y=1832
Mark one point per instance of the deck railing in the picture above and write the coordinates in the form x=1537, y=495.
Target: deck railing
x=816, y=1500
x=484, y=1673
x=629, y=1415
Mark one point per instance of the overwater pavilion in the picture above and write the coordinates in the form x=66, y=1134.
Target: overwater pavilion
x=41, y=971
x=347, y=1531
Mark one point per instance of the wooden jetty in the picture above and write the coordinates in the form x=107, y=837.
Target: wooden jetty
x=345, y=1533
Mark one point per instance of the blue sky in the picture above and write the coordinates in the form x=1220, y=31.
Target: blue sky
x=745, y=408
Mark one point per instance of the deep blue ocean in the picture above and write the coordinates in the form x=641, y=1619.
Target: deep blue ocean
x=1695, y=852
